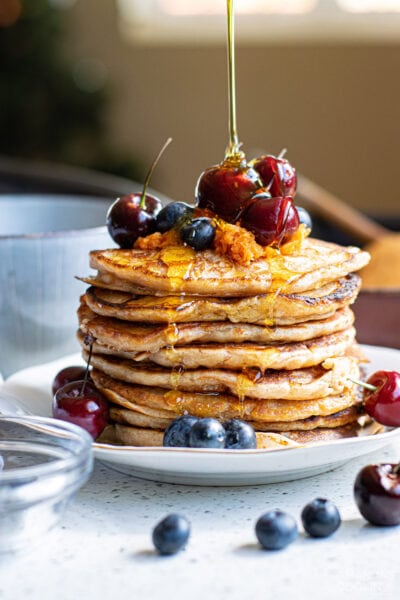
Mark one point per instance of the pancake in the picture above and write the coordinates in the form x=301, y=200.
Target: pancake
x=266, y=309
x=222, y=406
x=133, y=337
x=241, y=356
x=328, y=378
x=138, y=436
x=339, y=419
x=180, y=269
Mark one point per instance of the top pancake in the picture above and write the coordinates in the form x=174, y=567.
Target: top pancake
x=180, y=269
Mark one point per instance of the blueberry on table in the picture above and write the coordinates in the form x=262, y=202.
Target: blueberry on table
x=207, y=433
x=276, y=529
x=320, y=518
x=171, y=534
x=172, y=214
x=177, y=432
x=199, y=233
x=239, y=435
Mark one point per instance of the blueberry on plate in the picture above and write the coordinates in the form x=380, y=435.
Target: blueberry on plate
x=171, y=214
x=177, y=432
x=320, y=518
x=199, y=233
x=239, y=435
x=276, y=529
x=207, y=433
x=171, y=534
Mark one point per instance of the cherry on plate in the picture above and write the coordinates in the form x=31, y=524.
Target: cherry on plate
x=67, y=375
x=81, y=403
x=382, y=397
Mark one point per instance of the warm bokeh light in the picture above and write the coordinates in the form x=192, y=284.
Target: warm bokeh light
x=250, y=7
x=10, y=10
x=370, y=6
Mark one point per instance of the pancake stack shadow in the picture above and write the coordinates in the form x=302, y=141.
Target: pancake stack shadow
x=182, y=332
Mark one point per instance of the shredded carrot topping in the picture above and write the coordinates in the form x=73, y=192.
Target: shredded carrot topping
x=158, y=240
x=237, y=243
x=232, y=241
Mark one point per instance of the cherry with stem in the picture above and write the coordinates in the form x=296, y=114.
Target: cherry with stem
x=382, y=397
x=81, y=403
x=134, y=215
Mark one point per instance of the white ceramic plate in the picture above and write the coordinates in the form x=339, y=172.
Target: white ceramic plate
x=29, y=390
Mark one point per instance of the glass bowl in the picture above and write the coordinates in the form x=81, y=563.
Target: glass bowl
x=43, y=462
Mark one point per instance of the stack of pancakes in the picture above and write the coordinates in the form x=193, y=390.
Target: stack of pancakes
x=176, y=331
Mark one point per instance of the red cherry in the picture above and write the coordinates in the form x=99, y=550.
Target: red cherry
x=67, y=375
x=134, y=215
x=82, y=404
x=377, y=493
x=382, y=399
x=226, y=188
x=277, y=174
x=271, y=220
x=129, y=218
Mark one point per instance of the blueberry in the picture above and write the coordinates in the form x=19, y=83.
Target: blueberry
x=171, y=534
x=199, y=233
x=304, y=217
x=239, y=435
x=207, y=433
x=320, y=518
x=177, y=432
x=276, y=530
x=171, y=214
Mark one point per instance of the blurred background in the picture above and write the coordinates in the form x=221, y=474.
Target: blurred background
x=103, y=83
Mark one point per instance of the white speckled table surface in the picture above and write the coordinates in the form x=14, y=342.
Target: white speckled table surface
x=103, y=549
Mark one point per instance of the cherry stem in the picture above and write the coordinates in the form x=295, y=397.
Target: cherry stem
x=85, y=379
x=150, y=172
x=367, y=386
x=233, y=151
